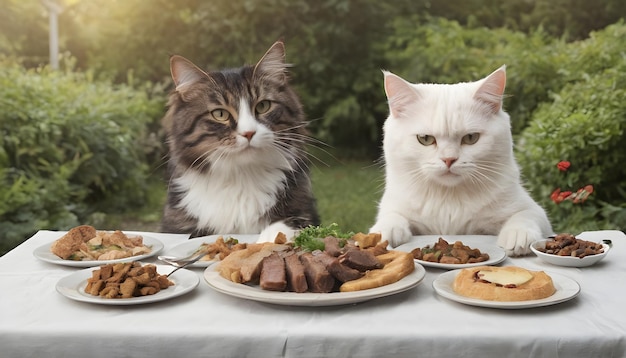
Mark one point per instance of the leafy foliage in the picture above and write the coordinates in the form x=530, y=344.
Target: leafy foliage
x=69, y=146
x=586, y=125
x=311, y=238
x=423, y=54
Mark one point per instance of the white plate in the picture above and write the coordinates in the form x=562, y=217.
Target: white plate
x=73, y=287
x=220, y=284
x=43, y=253
x=566, y=289
x=485, y=243
x=568, y=261
x=191, y=245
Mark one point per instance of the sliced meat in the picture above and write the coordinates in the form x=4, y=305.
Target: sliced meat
x=332, y=247
x=296, y=279
x=273, y=276
x=340, y=272
x=251, y=268
x=361, y=260
x=449, y=260
x=379, y=249
x=318, y=278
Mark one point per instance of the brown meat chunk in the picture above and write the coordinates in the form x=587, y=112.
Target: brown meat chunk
x=245, y=265
x=318, y=278
x=164, y=282
x=449, y=260
x=127, y=288
x=148, y=290
x=110, y=292
x=94, y=286
x=127, y=280
x=119, y=272
x=360, y=260
x=332, y=247
x=340, y=272
x=379, y=249
x=296, y=279
x=273, y=276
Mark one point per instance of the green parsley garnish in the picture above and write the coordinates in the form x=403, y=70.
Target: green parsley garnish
x=311, y=238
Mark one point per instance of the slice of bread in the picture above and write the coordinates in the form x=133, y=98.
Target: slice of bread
x=71, y=241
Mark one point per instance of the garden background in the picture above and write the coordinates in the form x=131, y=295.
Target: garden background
x=83, y=143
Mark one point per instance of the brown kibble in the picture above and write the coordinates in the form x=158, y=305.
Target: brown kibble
x=127, y=288
x=127, y=280
x=110, y=292
x=143, y=279
x=146, y=291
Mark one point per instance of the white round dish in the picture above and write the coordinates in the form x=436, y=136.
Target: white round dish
x=73, y=287
x=485, y=243
x=44, y=254
x=566, y=289
x=568, y=261
x=190, y=246
x=220, y=284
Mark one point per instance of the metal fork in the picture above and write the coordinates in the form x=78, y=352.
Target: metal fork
x=181, y=262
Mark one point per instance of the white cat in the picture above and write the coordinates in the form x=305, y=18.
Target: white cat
x=449, y=166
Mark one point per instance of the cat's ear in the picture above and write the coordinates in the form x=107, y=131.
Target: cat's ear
x=491, y=91
x=185, y=73
x=400, y=94
x=273, y=64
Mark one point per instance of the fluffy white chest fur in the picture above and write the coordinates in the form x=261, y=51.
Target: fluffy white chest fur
x=232, y=199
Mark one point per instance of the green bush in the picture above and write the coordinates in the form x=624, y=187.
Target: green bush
x=442, y=51
x=70, y=146
x=585, y=125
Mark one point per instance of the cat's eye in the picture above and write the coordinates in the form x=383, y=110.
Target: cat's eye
x=426, y=139
x=220, y=114
x=470, y=138
x=263, y=106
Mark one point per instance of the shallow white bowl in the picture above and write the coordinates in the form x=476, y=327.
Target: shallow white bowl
x=567, y=260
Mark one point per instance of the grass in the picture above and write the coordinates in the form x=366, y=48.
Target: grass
x=347, y=193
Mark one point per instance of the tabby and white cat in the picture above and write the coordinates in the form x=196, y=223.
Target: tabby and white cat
x=449, y=166
x=237, y=160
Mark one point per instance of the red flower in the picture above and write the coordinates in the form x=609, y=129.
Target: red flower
x=559, y=196
x=582, y=194
x=555, y=195
x=563, y=165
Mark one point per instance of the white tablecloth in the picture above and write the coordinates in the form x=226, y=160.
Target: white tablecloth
x=36, y=321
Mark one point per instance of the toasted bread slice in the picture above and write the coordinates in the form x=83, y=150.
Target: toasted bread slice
x=70, y=242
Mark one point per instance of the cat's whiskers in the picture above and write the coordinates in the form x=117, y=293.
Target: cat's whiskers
x=416, y=174
x=284, y=137
x=307, y=140
x=288, y=152
x=205, y=158
x=500, y=170
x=484, y=181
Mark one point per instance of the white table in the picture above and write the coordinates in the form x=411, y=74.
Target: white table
x=36, y=321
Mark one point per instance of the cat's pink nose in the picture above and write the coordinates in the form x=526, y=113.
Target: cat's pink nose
x=449, y=161
x=248, y=135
